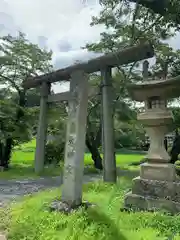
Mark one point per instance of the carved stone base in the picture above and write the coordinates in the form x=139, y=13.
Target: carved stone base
x=63, y=207
x=157, y=188
x=138, y=202
x=156, y=171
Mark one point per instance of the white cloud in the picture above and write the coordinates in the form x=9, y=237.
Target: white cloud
x=58, y=22
x=62, y=26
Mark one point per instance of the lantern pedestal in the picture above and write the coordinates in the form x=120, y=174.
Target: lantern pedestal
x=157, y=187
x=156, y=122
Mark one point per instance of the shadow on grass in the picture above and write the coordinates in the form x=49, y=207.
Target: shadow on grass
x=109, y=228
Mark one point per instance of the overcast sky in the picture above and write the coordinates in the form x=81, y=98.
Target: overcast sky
x=60, y=25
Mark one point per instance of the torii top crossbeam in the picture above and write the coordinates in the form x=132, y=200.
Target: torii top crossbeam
x=125, y=56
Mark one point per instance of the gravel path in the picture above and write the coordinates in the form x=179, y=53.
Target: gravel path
x=11, y=190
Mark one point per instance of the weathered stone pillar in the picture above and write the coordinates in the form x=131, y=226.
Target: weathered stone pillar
x=75, y=140
x=157, y=152
x=108, y=127
x=42, y=129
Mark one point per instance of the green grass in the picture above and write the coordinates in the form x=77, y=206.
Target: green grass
x=31, y=219
x=23, y=158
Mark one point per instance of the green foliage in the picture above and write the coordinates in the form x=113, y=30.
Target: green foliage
x=177, y=163
x=19, y=60
x=7, y=117
x=125, y=25
x=57, y=119
x=126, y=129
x=166, y=55
x=9, y=127
x=176, y=116
x=169, y=9
x=129, y=135
x=22, y=164
x=128, y=24
x=24, y=59
x=54, y=152
x=177, y=167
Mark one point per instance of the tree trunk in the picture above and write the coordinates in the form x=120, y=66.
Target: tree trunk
x=98, y=138
x=166, y=143
x=91, y=145
x=7, y=152
x=1, y=155
x=175, y=149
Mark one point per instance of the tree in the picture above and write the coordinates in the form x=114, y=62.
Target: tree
x=128, y=24
x=19, y=60
x=94, y=123
x=167, y=8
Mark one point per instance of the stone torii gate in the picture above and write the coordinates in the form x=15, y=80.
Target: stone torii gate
x=76, y=126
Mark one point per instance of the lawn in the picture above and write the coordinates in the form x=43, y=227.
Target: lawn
x=31, y=219
x=23, y=156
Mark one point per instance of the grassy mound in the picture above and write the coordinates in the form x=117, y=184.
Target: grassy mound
x=31, y=220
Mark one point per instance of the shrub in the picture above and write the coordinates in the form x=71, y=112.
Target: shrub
x=177, y=163
x=54, y=152
x=177, y=167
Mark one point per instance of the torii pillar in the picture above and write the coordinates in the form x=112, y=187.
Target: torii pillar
x=42, y=129
x=75, y=140
x=109, y=161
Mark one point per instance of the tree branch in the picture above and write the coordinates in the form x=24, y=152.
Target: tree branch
x=12, y=82
x=163, y=7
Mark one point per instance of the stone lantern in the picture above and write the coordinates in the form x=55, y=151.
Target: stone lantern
x=157, y=187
